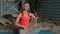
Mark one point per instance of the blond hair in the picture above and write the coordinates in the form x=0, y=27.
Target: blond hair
x=25, y=4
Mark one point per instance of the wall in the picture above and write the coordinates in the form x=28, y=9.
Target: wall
x=49, y=9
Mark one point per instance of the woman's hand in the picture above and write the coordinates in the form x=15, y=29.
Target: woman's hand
x=34, y=25
x=31, y=28
x=24, y=27
x=37, y=17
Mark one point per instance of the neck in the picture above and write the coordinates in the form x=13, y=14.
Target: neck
x=25, y=11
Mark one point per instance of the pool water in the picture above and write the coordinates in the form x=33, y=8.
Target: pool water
x=46, y=32
x=40, y=32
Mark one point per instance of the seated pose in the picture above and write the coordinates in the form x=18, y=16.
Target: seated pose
x=24, y=18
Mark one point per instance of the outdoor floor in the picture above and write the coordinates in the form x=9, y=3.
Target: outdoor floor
x=42, y=26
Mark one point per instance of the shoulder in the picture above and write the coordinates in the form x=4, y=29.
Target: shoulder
x=30, y=13
x=20, y=14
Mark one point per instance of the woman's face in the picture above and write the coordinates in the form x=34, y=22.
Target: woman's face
x=27, y=6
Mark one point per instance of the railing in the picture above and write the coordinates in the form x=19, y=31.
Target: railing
x=11, y=7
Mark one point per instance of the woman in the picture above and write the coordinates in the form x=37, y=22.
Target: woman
x=24, y=18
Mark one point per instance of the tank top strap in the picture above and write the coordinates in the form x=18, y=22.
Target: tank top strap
x=28, y=13
x=20, y=14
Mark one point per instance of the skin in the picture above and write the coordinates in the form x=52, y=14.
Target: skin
x=25, y=13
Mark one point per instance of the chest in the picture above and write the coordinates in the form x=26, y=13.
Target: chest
x=24, y=18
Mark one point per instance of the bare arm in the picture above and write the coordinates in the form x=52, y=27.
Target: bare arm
x=17, y=20
x=32, y=15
